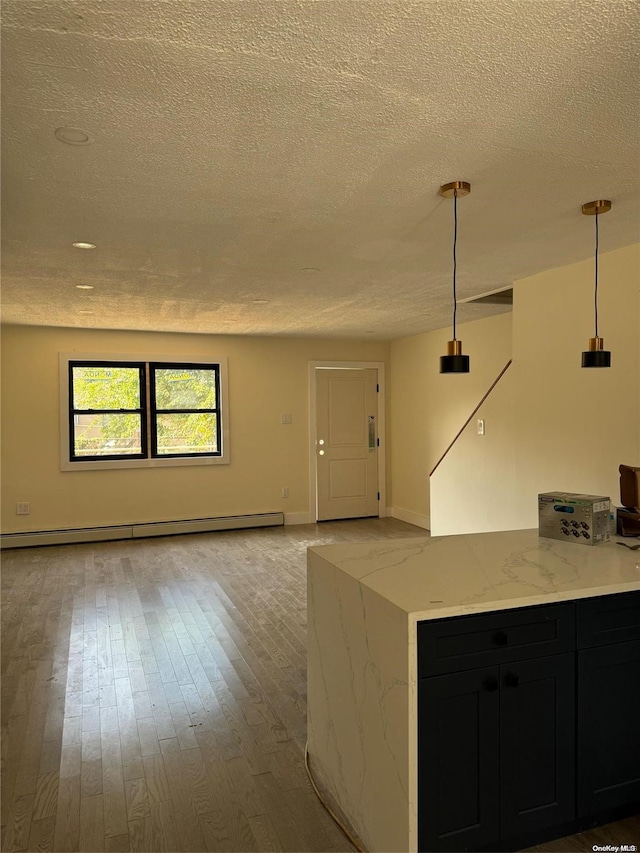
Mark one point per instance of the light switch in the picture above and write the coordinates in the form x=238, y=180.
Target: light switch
x=480, y=426
x=285, y=419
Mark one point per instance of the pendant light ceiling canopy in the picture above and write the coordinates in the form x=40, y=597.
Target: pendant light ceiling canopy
x=596, y=355
x=454, y=361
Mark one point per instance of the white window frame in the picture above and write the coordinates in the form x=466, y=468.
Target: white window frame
x=93, y=465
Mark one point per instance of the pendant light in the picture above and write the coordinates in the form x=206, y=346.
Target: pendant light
x=454, y=361
x=596, y=355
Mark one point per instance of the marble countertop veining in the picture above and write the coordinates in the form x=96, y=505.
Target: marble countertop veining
x=431, y=578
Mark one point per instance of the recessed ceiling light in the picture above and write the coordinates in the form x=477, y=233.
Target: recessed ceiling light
x=84, y=286
x=82, y=311
x=73, y=136
x=310, y=269
x=83, y=245
x=260, y=301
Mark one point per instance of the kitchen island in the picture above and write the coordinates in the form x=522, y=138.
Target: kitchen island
x=388, y=655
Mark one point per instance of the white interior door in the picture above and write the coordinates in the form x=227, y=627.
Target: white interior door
x=346, y=443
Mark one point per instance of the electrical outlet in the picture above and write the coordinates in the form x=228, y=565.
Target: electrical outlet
x=480, y=426
x=285, y=492
x=285, y=419
x=23, y=508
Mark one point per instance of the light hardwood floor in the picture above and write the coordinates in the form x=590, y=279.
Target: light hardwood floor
x=153, y=694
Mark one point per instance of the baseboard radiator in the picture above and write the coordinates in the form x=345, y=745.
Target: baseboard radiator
x=139, y=531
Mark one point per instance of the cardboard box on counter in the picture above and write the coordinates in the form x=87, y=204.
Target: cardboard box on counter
x=569, y=517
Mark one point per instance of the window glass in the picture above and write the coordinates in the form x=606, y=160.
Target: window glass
x=106, y=387
x=183, y=434
x=107, y=435
x=185, y=388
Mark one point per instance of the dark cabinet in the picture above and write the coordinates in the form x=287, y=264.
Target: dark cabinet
x=497, y=746
x=528, y=723
x=537, y=744
x=469, y=642
x=608, y=727
x=608, y=703
x=458, y=760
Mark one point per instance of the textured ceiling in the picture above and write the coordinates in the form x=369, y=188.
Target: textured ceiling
x=238, y=144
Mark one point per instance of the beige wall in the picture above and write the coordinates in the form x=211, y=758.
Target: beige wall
x=550, y=424
x=267, y=377
x=428, y=408
x=472, y=491
x=575, y=426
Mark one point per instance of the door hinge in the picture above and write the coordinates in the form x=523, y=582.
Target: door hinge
x=377, y=389
x=378, y=495
x=378, y=442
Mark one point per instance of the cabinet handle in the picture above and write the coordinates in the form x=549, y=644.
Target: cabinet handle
x=500, y=638
x=490, y=684
x=511, y=679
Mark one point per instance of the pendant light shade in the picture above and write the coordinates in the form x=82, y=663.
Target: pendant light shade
x=596, y=355
x=454, y=361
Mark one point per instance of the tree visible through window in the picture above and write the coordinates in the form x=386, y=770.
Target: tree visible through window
x=139, y=410
x=185, y=418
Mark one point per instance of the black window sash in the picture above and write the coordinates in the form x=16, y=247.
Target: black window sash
x=166, y=365
x=141, y=411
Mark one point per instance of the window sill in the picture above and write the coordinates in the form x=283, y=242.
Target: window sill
x=173, y=462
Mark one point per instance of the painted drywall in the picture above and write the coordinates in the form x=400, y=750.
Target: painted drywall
x=472, y=491
x=428, y=408
x=550, y=424
x=267, y=377
x=575, y=426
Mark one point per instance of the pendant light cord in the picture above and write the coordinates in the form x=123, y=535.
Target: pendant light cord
x=455, y=240
x=596, y=287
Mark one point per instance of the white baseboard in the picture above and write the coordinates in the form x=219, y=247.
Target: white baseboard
x=410, y=517
x=137, y=531
x=298, y=518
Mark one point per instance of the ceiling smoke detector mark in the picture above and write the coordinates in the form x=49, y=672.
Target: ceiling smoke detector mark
x=81, y=245
x=504, y=296
x=73, y=136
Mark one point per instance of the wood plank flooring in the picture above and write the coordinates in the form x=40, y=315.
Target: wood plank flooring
x=154, y=694
x=615, y=834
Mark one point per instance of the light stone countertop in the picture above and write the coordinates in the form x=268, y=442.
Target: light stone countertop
x=432, y=578
x=364, y=601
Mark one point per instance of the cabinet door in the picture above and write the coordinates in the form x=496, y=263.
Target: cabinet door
x=608, y=727
x=537, y=744
x=458, y=762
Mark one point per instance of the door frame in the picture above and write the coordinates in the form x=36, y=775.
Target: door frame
x=313, y=480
